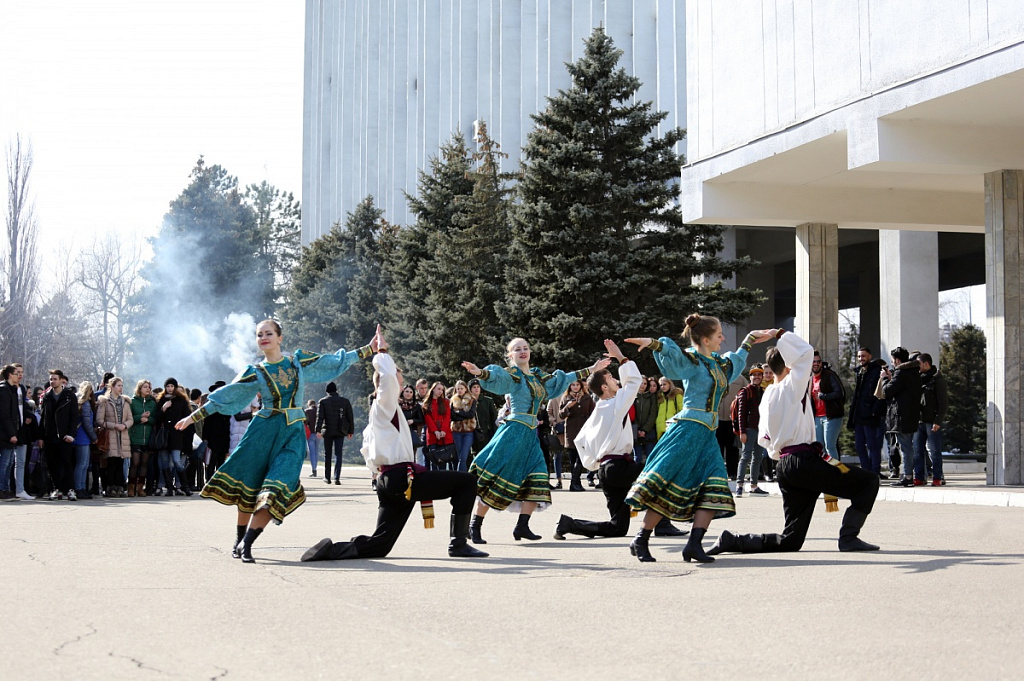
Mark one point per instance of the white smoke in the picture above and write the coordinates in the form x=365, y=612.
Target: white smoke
x=240, y=349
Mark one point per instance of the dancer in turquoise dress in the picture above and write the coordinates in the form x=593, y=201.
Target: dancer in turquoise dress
x=511, y=471
x=684, y=477
x=261, y=477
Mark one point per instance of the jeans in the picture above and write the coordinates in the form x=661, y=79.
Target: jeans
x=826, y=431
x=752, y=453
x=20, y=457
x=642, y=449
x=420, y=458
x=313, y=445
x=906, y=442
x=81, y=465
x=332, y=452
x=868, y=443
x=933, y=439
x=6, y=463
x=171, y=465
x=463, y=443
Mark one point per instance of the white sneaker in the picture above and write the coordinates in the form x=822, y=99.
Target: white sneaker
x=72, y=496
x=26, y=496
x=54, y=495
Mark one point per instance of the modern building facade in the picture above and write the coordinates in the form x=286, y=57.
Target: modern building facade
x=387, y=82
x=906, y=118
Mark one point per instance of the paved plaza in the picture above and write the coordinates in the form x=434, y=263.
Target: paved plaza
x=146, y=588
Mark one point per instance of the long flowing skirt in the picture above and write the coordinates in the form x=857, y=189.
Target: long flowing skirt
x=263, y=471
x=684, y=473
x=511, y=469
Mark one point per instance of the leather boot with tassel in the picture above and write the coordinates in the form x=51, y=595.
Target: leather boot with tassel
x=638, y=547
x=848, y=539
x=741, y=543
x=250, y=536
x=458, y=547
x=474, y=530
x=236, y=548
x=694, y=550
x=522, y=529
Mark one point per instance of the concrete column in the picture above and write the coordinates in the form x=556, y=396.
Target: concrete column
x=869, y=304
x=908, y=269
x=1004, y=251
x=817, y=287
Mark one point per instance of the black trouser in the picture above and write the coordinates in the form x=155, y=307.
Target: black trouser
x=575, y=467
x=802, y=478
x=332, y=444
x=617, y=476
x=114, y=472
x=216, y=461
x=727, y=443
x=60, y=460
x=394, y=508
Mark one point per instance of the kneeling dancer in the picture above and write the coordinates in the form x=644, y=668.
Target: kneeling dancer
x=387, y=447
x=605, y=444
x=805, y=470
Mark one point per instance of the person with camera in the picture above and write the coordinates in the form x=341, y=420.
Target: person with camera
x=828, y=396
x=901, y=389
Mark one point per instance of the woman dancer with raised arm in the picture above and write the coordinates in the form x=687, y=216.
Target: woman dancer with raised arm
x=511, y=471
x=261, y=476
x=685, y=475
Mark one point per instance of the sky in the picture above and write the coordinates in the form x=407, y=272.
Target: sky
x=120, y=98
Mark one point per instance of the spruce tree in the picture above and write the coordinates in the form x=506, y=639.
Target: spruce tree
x=598, y=246
x=962, y=362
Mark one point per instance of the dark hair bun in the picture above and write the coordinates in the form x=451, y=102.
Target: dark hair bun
x=693, y=320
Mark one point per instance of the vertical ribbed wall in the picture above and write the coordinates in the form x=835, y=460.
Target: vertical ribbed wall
x=388, y=81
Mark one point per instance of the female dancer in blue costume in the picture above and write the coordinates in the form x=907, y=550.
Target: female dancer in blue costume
x=511, y=471
x=685, y=476
x=261, y=477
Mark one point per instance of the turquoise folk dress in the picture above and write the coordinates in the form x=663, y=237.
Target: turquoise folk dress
x=685, y=471
x=511, y=468
x=263, y=471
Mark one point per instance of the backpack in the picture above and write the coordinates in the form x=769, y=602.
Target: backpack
x=734, y=411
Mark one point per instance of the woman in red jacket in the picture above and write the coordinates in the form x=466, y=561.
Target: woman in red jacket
x=437, y=417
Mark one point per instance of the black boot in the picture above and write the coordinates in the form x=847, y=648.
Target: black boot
x=236, y=548
x=319, y=551
x=522, y=529
x=565, y=526
x=638, y=547
x=250, y=536
x=665, y=528
x=848, y=539
x=694, y=550
x=458, y=547
x=474, y=530
x=733, y=543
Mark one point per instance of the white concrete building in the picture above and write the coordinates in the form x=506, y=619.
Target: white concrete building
x=902, y=117
x=389, y=81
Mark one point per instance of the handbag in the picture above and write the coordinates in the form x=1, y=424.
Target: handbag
x=102, y=439
x=440, y=454
x=158, y=439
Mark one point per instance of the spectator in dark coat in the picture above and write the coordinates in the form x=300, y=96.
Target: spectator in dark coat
x=60, y=425
x=486, y=416
x=866, y=412
x=333, y=424
x=312, y=437
x=575, y=407
x=217, y=434
x=902, y=391
x=17, y=430
x=934, y=402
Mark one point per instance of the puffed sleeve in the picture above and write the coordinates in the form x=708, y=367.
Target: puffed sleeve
x=559, y=381
x=495, y=379
x=231, y=398
x=323, y=368
x=672, y=361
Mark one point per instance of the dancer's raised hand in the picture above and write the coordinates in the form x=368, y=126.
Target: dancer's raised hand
x=471, y=368
x=600, y=364
x=613, y=351
x=640, y=342
x=764, y=335
x=382, y=344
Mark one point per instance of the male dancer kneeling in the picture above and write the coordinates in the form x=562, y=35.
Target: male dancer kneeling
x=805, y=471
x=606, y=440
x=387, y=446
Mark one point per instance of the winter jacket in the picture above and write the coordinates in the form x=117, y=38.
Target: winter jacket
x=486, y=417
x=140, y=432
x=334, y=416
x=647, y=415
x=217, y=432
x=60, y=415
x=668, y=406
x=833, y=394
x=748, y=408
x=463, y=414
x=176, y=412
x=12, y=424
x=86, y=434
x=903, y=398
x=934, y=396
x=238, y=424
x=437, y=416
x=106, y=416
x=866, y=409
x=412, y=411
x=575, y=414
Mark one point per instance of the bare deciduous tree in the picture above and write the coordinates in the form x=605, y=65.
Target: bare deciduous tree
x=108, y=271
x=18, y=265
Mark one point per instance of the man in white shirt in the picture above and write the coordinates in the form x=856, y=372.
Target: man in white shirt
x=605, y=443
x=804, y=471
x=387, y=447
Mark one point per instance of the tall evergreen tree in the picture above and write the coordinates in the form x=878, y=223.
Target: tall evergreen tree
x=598, y=247
x=278, y=231
x=962, y=362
